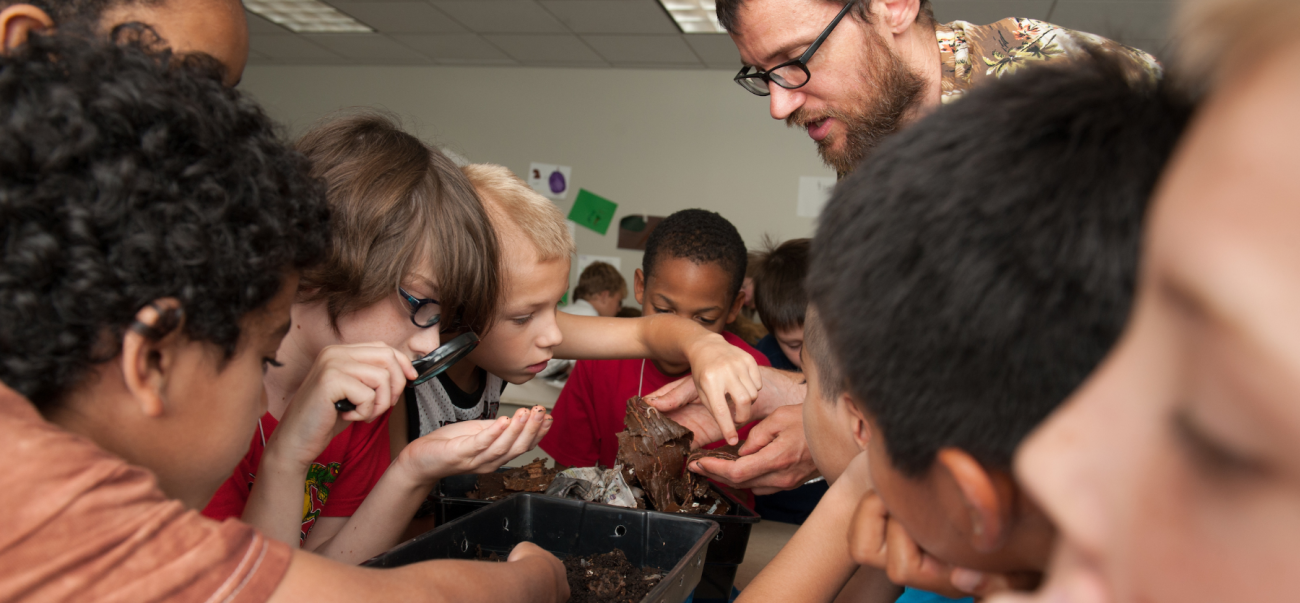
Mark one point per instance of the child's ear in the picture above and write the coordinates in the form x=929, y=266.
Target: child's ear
x=986, y=496
x=18, y=21
x=736, y=305
x=149, y=351
x=638, y=287
x=858, y=422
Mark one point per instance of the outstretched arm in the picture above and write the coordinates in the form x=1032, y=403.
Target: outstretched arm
x=531, y=575
x=726, y=378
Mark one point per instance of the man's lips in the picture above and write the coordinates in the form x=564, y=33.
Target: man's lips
x=819, y=129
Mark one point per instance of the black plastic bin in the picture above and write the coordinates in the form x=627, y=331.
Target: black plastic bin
x=674, y=543
x=725, y=553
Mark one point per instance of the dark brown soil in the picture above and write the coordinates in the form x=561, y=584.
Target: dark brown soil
x=608, y=578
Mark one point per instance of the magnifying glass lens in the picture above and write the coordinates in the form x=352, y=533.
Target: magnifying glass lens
x=432, y=364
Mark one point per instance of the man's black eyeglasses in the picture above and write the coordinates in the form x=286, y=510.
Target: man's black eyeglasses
x=790, y=74
x=424, y=312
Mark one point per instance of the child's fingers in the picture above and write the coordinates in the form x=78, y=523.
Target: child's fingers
x=541, y=433
x=908, y=565
x=867, y=543
x=528, y=435
x=722, y=414
x=360, y=394
x=503, y=442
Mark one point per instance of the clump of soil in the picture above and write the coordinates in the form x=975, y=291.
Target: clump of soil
x=654, y=451
x=608, y=578
x=533, y=477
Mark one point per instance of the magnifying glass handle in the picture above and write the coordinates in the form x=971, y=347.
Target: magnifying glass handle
x=344, y=406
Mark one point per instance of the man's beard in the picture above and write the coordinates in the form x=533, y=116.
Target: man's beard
x=889, y=90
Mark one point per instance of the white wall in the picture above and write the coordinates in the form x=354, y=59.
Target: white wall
x=653, y=141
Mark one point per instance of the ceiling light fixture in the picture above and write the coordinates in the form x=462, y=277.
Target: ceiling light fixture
x=694, y=16
x=306, y=16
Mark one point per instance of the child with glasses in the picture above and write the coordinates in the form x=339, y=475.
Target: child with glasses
x=412, y=252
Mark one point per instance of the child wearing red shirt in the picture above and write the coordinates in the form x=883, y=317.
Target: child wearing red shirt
x=693, y=267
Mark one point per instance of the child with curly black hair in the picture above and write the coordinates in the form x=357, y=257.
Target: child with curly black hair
x=152, y=230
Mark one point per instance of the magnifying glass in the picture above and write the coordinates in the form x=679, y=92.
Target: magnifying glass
x=432, y=364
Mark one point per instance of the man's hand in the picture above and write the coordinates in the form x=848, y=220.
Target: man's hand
x=371, y=376
x=474, y=446
x=774, y=458
x=727, y=381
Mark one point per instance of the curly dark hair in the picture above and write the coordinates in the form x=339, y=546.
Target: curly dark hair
x=128, y=175
x=77, y=11
x=703, y=237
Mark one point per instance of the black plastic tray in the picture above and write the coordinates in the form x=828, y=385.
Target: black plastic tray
x=728, y=547
x=725, y=553
x=676, y=543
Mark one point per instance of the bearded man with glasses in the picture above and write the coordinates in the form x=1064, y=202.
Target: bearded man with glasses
x=852, y=73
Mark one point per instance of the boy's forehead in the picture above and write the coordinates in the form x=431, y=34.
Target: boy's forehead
x=682, y=277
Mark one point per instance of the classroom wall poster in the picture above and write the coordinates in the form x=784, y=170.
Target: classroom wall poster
x=552, y=181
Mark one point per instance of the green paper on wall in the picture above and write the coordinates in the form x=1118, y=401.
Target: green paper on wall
x=592, y=211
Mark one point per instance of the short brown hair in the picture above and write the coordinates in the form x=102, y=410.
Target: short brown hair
x=779, y=293
x=395, y=203
x=506, y=196
x=817, y=347
x=728, y=9
x=597, y=278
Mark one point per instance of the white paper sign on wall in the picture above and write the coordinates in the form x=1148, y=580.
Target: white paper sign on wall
x=586, y=260
x=814, y=192
x=553, y=181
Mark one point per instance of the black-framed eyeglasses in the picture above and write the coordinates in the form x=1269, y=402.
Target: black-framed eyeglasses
x=424, y=312
x=790, y=74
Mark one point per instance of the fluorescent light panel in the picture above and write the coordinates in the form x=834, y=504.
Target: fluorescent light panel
x=306, y=16
x=694, y=16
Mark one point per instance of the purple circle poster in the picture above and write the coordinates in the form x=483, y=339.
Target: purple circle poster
x=558, y=185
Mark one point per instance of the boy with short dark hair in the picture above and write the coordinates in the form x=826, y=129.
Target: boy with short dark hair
x=964, y=308
x=600, y=291
x=781, y=299
x=693, y=266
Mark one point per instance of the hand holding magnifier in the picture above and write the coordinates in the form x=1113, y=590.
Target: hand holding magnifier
x=432, y=364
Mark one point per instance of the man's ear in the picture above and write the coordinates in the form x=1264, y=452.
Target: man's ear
x=895, y=16
x=858, y=421
x=149, y=350
x=19, y=21
x=987, y=498
x=638, y=287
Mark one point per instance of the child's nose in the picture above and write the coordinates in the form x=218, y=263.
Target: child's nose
x=424, y=341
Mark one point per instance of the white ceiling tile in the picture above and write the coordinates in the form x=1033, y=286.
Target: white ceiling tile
x=1122, y=21
x=612, y=16
x=717, y=51
x=400, y=17
x=983, y=12
x=644, y=49
x=258, y=25
x=501, y=16
x=367, y=47
x=457, y=48
x=288, y=46
x=538, y=49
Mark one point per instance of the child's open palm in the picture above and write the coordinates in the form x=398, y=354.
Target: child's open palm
x=475, y=446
